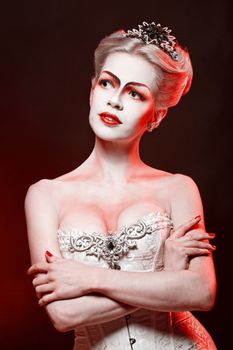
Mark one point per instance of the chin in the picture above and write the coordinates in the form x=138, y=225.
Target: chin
x=110, y=133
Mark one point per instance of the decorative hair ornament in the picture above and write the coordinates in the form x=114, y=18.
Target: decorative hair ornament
x=151, y=33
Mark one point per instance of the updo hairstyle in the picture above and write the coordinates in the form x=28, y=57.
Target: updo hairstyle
x=173, y=78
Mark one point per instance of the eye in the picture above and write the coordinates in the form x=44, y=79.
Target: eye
x=136, y=95
x=106, y=83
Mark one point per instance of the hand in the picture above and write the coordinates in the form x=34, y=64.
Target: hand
x=181, y=245
x=59, y=278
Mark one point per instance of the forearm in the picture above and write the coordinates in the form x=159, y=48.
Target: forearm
x=164, y=290
x=85, y=310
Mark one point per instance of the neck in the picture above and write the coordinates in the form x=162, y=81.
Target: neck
x=116, y=161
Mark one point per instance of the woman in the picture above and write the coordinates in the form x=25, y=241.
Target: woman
x=130, y=255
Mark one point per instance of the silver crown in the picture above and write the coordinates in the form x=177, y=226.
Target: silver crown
x=151, y=33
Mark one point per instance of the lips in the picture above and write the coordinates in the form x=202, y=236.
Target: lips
x=109, y=118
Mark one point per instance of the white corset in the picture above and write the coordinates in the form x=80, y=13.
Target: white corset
x=137, y=247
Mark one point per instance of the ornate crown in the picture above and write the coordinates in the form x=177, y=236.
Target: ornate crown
x=151, y=33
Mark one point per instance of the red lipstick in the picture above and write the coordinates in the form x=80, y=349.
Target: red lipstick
x=110, y=119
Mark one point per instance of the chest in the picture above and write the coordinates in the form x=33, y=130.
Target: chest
x=93, y=207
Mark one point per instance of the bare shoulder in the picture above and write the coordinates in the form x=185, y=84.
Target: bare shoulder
x=42, y=187
x=40, y=205
x=43, y=192
x=185, y=199
x=49, y=193
x=50, y=186
x=176, y=184
x=182, y=183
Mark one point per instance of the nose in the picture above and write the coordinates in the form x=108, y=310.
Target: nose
x=115, y=101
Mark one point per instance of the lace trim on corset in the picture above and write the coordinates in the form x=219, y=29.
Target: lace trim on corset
x=114, y=246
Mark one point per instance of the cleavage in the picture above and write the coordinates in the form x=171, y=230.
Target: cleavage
x=95, y=219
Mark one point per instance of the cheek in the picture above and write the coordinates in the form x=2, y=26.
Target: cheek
x=99, y=98
x=145, y=114
x=94, y=99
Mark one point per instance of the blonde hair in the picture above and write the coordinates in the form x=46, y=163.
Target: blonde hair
x=173, y=78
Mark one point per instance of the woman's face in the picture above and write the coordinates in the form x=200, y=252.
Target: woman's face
x=122, y=99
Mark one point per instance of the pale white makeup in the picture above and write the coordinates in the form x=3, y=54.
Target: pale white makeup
x=125, y=88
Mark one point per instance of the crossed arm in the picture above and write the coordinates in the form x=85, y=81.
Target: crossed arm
x=107, y=294
x=42, y=224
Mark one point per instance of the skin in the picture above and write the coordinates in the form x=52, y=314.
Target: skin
x=112, y=188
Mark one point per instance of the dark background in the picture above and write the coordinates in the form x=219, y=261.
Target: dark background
x=46, y=63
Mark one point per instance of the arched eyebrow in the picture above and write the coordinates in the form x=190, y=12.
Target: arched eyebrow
x=129, y=83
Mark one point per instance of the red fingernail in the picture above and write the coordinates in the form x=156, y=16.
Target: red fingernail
x=197, y=217
x=48, y=253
